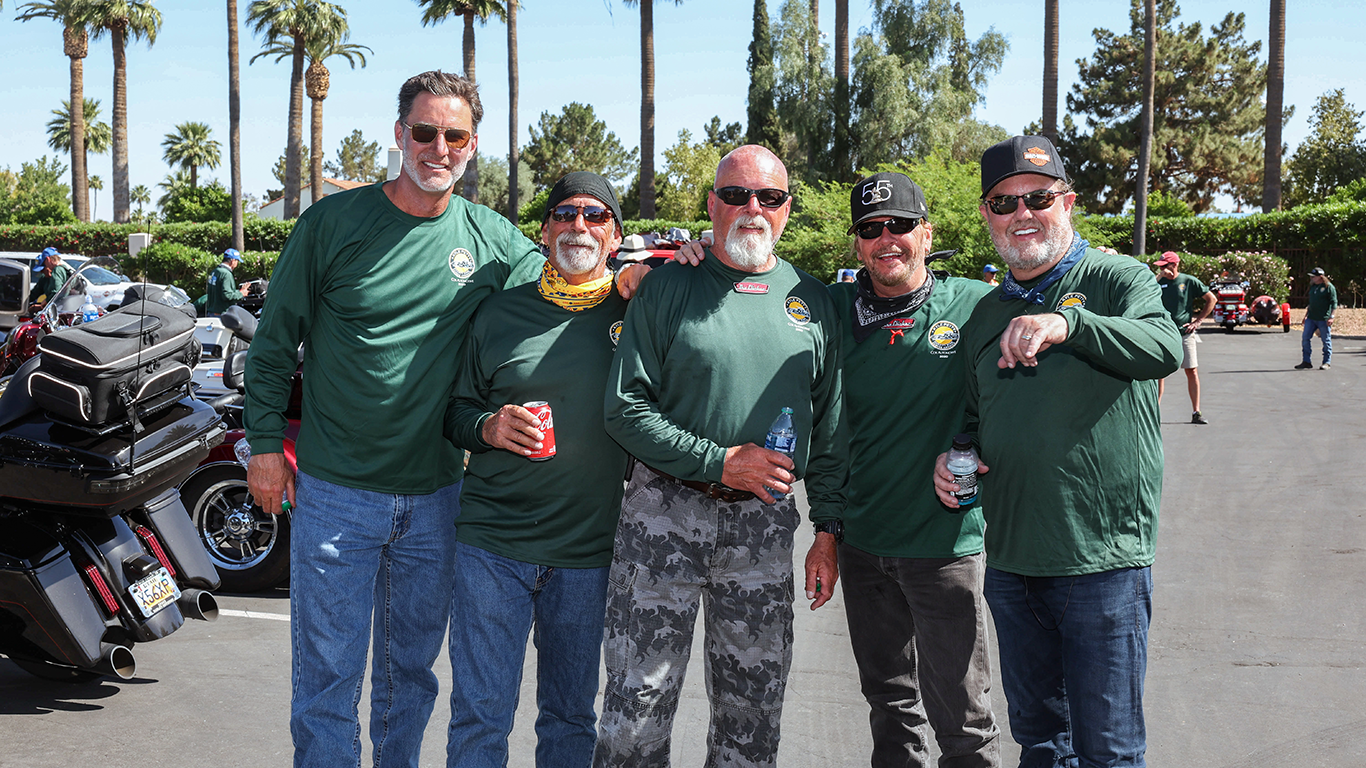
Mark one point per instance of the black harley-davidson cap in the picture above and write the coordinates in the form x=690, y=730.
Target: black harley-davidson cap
x=1017, y=155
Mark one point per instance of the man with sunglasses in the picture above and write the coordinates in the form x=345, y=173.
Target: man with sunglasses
x=709, y=356
x=381, y=282
x=912, y=572
x=535, y=537
x=1063, y=359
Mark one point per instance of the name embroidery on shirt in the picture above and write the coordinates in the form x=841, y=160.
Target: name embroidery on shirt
x=899, y=327
x=751, y=288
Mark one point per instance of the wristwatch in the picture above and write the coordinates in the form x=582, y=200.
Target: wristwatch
x=832, y=527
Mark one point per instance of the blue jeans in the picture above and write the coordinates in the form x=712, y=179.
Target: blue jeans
x=1074, y=651
x=356, y=555
x=495, y=603
x=1325, y=334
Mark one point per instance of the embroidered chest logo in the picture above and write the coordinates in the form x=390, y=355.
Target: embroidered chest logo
x=614, y=333
x=797, y=311
x=751, y=288
x=461, y=263
x=898, y=327
x=1077, y=300
x=943, y=337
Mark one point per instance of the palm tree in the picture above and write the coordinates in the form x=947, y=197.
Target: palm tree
x=96, y=184
x=190, y=147
x=293, y=22
x=141, y=195
x=1050, y=70
x=97, y=133
x=175, y=183
x=513, y=85
x=76, y=45
x=122, y=19
x=235, y=129
x=1275, y=100
x=437, y=11
x=843, y=169
x=647, y=105
x=1145, y=147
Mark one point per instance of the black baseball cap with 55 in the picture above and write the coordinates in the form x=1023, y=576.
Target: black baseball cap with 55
x=1017, y=155
x=886, y=194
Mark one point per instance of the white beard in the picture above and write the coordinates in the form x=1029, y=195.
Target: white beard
x=749, y=251
x=1033, y=255
x=440, y=182
x=571, y=260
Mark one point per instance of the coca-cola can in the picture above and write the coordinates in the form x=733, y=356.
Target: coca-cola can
x=546, y=423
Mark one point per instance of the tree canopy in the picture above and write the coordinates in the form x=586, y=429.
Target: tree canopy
x=36, y=194
x=1332, y=156
x=97, y=133
x=357, y=160
x=575, y=140
x=189, y=147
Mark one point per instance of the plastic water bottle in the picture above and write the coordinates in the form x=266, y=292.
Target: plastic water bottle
x=782, y=437
x=89, y=312
x=963, y=464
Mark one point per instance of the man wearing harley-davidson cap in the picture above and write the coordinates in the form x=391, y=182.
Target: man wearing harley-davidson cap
x=911, y=572
x=1062, y=402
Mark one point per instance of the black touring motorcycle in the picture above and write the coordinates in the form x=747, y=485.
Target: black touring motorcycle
x=96, y=551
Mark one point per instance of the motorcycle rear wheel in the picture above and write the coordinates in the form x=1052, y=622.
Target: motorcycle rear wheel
x=248, y=546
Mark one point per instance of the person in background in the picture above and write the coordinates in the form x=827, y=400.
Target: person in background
x=1318, y=318
x=222, y=288
x=1180, y=293
x=989, y=275
x=53, y=275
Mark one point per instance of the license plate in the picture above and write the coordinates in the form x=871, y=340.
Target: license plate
x=155, y=592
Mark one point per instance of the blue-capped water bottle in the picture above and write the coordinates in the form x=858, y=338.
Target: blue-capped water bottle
x=963, y=463
x=782, y=437
x=89, y=312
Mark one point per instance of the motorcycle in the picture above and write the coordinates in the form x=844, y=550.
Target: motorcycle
x=97, y=554
x=248, y=546
x=1230, y=308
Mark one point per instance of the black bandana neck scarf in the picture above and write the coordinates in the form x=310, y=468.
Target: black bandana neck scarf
x=872, y=311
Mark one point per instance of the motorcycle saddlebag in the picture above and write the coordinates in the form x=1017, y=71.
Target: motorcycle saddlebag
x=90, y=372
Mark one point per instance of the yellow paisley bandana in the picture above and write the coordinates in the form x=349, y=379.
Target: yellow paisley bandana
x=575, y=298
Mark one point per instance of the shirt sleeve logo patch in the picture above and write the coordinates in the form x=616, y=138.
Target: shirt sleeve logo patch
x=614, y=333
x=797, y=310
x=461, y=263
x=1077, y=300
x=943, y=336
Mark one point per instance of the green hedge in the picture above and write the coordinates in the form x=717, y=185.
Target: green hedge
x=1265, y=273
x=105, y=239
x=189, y=267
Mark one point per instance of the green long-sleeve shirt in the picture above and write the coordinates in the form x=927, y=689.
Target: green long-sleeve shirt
x=561, y=512
x=383, y=301
x=222, y=290
x=1323, y=302
x=47, y=285
x=905, y=391
x=1074, y=444
x=1181, y=296
x=708, y=358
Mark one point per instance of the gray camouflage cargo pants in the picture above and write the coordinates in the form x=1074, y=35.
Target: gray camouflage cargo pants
x=675, y=547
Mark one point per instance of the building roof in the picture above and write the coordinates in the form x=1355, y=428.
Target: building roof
x=342, y=184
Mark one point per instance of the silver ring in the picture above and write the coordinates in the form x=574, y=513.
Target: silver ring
x=1026, y=337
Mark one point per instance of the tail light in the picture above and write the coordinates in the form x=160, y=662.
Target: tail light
x=146, y=534
x=101, y=588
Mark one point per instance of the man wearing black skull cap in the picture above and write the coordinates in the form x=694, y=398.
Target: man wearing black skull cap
x=1063, y=362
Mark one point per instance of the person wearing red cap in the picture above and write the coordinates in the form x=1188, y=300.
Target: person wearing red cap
x=1180, y=292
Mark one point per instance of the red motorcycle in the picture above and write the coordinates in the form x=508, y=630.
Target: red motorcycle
x=1230, y=308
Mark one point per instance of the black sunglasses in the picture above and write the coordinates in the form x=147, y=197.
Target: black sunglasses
x=591, y=213
x=1037, y=200
x=425, y=133
x=872, y=230
x=738, y=196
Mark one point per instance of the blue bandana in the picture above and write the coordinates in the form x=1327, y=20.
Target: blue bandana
x=1010, y=289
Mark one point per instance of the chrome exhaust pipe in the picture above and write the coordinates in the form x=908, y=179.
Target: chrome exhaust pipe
x=117, y=661
x=198, y=604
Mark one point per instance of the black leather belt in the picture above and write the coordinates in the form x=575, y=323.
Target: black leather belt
x=710, y=490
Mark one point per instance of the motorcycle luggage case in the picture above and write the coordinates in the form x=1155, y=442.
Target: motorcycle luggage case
x=51, y=464
x=88, y=372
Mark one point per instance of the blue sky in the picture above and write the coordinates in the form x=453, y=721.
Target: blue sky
x=576, y=50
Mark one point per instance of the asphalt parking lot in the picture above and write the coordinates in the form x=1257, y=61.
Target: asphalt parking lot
x=1257, y=652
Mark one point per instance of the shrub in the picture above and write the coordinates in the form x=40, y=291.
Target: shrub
x=1265, y=273
x=210, y=202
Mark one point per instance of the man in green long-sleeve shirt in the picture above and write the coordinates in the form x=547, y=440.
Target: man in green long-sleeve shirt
x=1063, y=361
x=53, y=275
x=222, y=290
x=709, y=357
x=535, y=536
x=1318, y=318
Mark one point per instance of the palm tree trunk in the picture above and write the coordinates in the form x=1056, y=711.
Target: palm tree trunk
x=842, y=162
x=119, y=144
x=80, y=193
x=513, y=83
x=294, y=145
x=1275, y=98
x=471, y=190
x=315, y=164
x=1145, y=146
x=235, y=129
x=1050, y=70
x=647, y=109
x=194, y=177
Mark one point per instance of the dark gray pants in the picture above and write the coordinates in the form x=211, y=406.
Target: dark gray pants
x=920, y=639
x=675, y=548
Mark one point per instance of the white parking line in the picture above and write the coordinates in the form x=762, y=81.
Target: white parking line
x=253, y=614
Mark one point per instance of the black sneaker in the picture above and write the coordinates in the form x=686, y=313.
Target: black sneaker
x=1306, y=365
x=1198, y=418
x=1325, y=366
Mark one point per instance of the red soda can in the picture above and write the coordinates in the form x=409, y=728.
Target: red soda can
x=541, y=410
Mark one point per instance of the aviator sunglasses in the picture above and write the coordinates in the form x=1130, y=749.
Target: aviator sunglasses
x=872, y=230
x=738, y=196
x=1037, y=200
x=425, y=133
x=591, y=213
